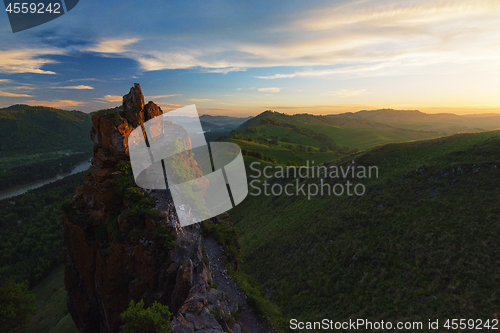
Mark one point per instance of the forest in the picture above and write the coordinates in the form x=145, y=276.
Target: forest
x=24, y=174
x=31, y=231
x=28, y=129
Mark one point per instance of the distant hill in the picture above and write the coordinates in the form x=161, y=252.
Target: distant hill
x=217, y=126
x=225, y=122
x=362, y=129
x=417, y=120
x=210, y=127
x=398, y=116
x=214, y=126
x=28, y=129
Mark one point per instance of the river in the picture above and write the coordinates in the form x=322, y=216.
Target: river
x=17, y=190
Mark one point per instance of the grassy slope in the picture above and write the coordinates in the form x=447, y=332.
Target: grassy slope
x=414, y=236
x=364, y=138
x=25, y=129
x=366, y=129
x=284, y=155
x=345, y=135
x=417, y=120
x=52, y=313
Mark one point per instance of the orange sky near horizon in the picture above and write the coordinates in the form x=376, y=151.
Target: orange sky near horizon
x=239, y=59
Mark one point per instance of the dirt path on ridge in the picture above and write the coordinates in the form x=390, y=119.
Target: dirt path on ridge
x=248, y=319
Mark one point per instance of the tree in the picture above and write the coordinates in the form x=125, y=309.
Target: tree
x=17, y=304
x=323, y=149
x=155, y=319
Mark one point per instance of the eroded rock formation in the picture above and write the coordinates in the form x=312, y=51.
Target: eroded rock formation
x=119, y=240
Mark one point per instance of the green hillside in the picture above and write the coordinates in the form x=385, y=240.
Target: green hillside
x=362, y=129
x=35, y=129
x=414, y=119
x=279, y=154
x=420, y=244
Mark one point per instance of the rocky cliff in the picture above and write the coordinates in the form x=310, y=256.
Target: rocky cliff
x=122, y=243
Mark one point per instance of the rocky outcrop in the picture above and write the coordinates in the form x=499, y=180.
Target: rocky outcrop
x=122, y=243
x=206, y=309
x=134, y=100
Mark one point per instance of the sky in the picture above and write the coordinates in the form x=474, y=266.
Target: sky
x=240, y=58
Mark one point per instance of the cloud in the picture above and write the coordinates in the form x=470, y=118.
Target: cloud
x=8, y=94
x=157, y=60
x=224, y=103
x=319, y=39
x=86, y=79
x=279, y=76
x=270, y=89
x=224, y=70
x=26, y=60
x=201, y=100
x=169, y=106
x=79, y=87
x=374, y=31
x=398, y=13
x=17, y=86
x=113, y=45
x=364, y=70
x=23, y=87
x=342, y=33
x=110, y=99
x=151, y=59
x=56, y=104
x=348, y=93
x=152, y=98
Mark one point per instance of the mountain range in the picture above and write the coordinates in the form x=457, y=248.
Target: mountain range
x=365, y=129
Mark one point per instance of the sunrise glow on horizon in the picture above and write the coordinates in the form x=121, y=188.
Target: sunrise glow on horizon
x=239, y=59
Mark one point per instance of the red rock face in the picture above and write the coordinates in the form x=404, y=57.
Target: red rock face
x=151, y=110
x=110, y=260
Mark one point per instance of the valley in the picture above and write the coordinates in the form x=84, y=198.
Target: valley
x=39, y=143
x=419, y=244
x=302, y=137
x=284, y=166
x=410, y=247
x=21, y=189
